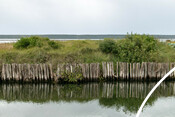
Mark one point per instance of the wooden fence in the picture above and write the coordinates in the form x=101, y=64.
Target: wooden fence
x=27, y=72
x=90, y=72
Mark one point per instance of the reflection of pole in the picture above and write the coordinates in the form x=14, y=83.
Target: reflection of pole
x=152, y=90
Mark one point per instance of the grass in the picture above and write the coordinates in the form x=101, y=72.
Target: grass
x=71, y=52
x=6, y=46
x=78, y=51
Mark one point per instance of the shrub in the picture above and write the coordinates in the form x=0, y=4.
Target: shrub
x=107, y=46
x=134, y=48
x=74, y=76
x=35, y=41
x=53, y=44
x=22, y=43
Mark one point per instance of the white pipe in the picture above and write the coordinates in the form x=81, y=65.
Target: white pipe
x=153, y=89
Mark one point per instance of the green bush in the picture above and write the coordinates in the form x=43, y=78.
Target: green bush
x=134, y=48
x=22, y=43
x=107, y=46
x=35, y=41
x=53, y=44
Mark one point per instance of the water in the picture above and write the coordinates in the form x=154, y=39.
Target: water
x=64, y=37
x=121, y=99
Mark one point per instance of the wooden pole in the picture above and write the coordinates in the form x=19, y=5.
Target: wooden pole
x=117, y=70
x=131, y=71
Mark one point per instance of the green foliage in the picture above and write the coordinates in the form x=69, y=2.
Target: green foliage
x=134, y=48
x=37, y=55
x=107, y=46
x=53, y=44
x=74, y=76
x=126, y=104
x=9, y=57
x=35, y=41
x=87, y=50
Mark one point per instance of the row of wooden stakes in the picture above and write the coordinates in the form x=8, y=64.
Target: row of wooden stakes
x=26, y=72
x=92, y=71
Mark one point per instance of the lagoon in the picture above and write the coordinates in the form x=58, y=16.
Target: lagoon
x=107, y=99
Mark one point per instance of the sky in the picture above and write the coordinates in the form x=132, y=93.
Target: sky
x=87, y=16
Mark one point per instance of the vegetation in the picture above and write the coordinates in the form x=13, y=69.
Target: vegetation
x=128, y=105
x=73, y=76
x=134, y=48
x=107, y=46
x=35, y=41
x=82, y=93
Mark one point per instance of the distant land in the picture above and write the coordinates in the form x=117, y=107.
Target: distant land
x=90, y=36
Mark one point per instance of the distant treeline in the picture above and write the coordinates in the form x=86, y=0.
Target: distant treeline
x=64, y=36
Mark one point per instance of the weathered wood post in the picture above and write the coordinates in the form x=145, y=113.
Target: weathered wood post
x=108, y=69
x=117, y=70
x=94, y=71
x=128, y=69
x=142, y=71
x=131, y=71
x=134, y=71
x=121, y=70
x=149, y=70
x=158, y=72
x=104, y=70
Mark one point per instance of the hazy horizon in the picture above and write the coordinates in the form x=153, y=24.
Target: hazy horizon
x=81, y=34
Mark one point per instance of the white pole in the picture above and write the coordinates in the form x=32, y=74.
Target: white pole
x=153, y=89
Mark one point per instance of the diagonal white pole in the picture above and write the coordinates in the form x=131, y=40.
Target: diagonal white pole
x=153, y=89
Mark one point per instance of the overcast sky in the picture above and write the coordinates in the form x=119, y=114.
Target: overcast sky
x=87, y=16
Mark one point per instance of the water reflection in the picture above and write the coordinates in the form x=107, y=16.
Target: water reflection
x=46, y=92
x=126, y=95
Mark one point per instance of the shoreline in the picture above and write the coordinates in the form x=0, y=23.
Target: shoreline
x=7, y=40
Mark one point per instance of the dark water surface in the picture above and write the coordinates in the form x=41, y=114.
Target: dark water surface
x=88, y=36
x=121, y=99
x=64, y=37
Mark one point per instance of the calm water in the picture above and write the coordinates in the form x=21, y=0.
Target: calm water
x=121, y=99
x=63, y=37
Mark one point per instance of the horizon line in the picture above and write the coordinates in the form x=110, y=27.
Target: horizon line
x=87, y=34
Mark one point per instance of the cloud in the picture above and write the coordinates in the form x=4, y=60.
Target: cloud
x=86, y=16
